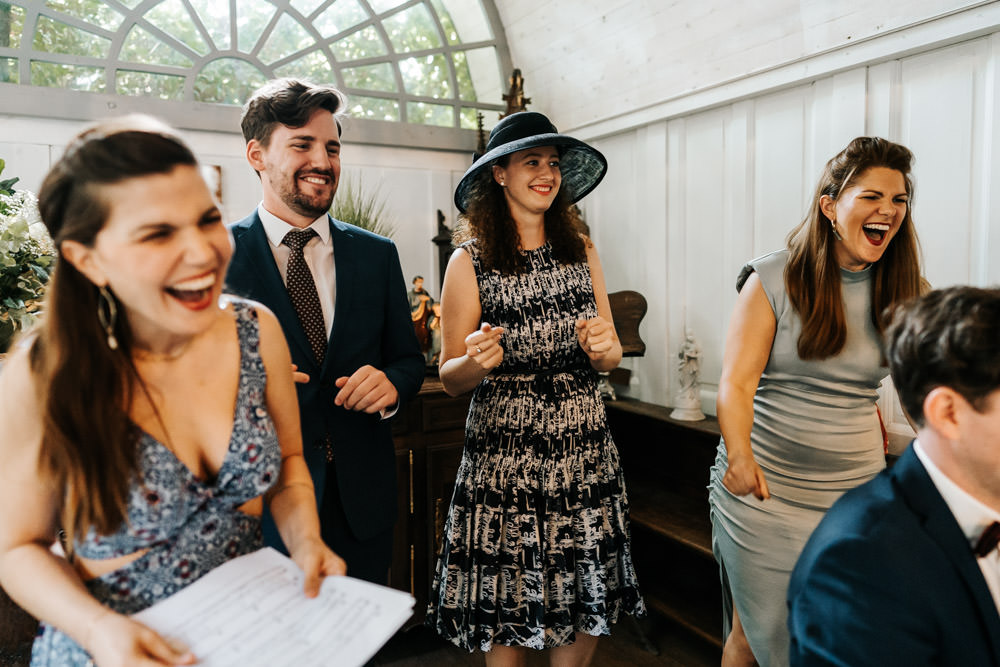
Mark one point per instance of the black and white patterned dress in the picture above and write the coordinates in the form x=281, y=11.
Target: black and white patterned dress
x=536, y=546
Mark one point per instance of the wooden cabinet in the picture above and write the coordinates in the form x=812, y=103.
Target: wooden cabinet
x=429, y=435
x=666, y=464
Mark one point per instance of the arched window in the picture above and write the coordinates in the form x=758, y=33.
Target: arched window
x=422, y=62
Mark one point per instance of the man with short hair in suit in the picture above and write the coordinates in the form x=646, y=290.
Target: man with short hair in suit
x=339, y=294
x=904, y=570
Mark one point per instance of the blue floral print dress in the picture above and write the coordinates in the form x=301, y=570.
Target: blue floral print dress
x=187, y=525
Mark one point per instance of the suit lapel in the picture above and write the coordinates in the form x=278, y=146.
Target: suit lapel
x=921, y=494
x=259, y=263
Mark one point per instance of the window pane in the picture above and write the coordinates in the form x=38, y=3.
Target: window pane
x=427, y=76
x=143, y=47
x=362, y=44
x=145, y=84
x=15, y=16
x=468, y=119
x=464, y=18
x=251, y=19
x=381, y=6
x=215, y=17
x=373, y=108
x=307, y=7
x=227, y=81
x=481, y=70
x=372, y=77
x=430, y=114
x=92, y=11
x=57, y=37
x=412, y=30
x=466, y=88
x=339, y=16
x=8, y=70
x=287, y=37
x=71, y=77
x=172, y=17
x=314, y=67
x=131, y=4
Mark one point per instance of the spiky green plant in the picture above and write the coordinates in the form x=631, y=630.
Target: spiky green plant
x=361, y=207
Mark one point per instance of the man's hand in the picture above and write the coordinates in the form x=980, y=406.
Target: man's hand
x=367, y=390
x=299, y=376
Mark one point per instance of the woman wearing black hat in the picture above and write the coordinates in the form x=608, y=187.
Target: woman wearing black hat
x=536, y=551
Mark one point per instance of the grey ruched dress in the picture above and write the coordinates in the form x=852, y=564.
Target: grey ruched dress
x=816, y=434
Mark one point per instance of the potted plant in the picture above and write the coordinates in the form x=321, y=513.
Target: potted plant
x=27, y=256
x=365, y=209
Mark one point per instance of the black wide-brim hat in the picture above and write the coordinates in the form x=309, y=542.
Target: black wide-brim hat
x=582, y=166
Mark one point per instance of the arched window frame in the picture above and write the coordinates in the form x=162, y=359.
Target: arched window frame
x=22, y=98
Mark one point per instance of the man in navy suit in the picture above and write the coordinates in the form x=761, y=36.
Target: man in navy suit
x=353, y=342
x=904, y=570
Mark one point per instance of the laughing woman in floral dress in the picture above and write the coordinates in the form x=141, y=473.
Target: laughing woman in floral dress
x=536, y=548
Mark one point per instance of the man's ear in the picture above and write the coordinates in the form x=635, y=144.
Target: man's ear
x=255, y=155
x=941, y=411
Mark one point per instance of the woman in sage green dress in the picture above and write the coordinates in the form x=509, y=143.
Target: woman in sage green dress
x=797, y=397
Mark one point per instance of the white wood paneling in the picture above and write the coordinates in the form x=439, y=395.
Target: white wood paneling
x=780, y=179
x=741, y=175
x=942, y=123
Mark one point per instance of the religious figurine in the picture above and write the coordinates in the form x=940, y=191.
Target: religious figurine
x=688, y=399
x=515, y=99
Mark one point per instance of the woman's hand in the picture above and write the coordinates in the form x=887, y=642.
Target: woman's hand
x=596, y=337
x=744, y=476
x=316, y=560
x=483, y=346
x=114, y=640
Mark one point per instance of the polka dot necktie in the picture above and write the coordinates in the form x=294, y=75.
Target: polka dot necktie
x=302, y=290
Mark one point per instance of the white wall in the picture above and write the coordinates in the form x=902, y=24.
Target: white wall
x=587, y=61
x=689, y=198
x=415, y=183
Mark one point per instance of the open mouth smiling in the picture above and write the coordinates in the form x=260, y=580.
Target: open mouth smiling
x=195, y=290
x=876, y=231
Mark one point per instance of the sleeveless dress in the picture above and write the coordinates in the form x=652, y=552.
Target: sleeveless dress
x=189, y=526
x=536, y=546
x=816, y=434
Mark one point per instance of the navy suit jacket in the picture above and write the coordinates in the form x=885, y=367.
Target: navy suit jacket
x=371, y=325
x=888, y=578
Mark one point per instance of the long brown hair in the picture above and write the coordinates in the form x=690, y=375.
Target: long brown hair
x=88, y=448
x=812, y=275
x=488, y=220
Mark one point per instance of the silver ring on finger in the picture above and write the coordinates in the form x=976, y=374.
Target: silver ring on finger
x=479, y=350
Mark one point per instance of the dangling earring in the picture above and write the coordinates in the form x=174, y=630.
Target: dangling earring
x=107, y=315
x=836, y=234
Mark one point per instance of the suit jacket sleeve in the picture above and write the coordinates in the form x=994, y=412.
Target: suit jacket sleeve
x=850, y=605
x=404, y=362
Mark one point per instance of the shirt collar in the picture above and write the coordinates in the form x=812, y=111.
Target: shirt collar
x=972, y=516
x=276, y=228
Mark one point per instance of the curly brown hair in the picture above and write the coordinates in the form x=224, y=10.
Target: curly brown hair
x=489, y=222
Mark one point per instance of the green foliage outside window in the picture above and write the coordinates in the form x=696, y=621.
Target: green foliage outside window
x=396, y=60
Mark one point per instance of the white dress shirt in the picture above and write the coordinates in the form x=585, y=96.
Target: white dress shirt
x=972, y=516
x=318, y=253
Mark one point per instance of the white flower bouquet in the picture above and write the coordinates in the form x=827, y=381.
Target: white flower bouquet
x=27, y=256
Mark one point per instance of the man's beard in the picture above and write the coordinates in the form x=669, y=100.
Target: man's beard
x=305, y=205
